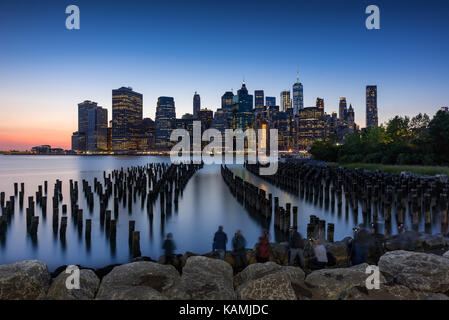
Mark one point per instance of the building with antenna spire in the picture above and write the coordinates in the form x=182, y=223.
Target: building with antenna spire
x=298, y=96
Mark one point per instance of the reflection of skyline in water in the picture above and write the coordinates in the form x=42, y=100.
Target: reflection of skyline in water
x=206, y=203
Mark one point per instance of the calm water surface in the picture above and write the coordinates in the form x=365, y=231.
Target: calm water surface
x=205, y=204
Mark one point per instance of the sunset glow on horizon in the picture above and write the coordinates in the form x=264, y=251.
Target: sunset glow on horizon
x=210, y=47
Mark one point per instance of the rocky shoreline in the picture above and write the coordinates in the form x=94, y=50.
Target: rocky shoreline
x=422, y=274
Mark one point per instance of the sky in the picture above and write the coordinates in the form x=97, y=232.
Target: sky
x=174, y=48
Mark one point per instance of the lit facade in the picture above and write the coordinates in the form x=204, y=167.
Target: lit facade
x=127, y=110
x=165, y=122
x=371, y=106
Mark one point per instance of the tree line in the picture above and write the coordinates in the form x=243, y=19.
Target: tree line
x=401, y=141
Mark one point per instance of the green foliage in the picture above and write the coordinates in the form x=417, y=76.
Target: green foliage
x=403, y=141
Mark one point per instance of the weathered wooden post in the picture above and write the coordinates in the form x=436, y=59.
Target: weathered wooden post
x=136, y=244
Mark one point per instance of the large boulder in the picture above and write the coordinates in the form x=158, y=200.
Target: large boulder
x=269, y=281
x=330, y=283
x=89, y=283
x=25, y=280
x=415, y=270
x=138, y=281
x=204, y=279
x=394, y=292
x=255, y=271
x=446, y=254
x=275, y=286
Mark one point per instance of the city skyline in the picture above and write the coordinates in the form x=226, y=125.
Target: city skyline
x=47, y=70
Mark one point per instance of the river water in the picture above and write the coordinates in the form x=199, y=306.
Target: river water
x=205, y=204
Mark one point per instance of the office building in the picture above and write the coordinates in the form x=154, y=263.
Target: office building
x=371, y=106
x=127, y=117
x=165, y=122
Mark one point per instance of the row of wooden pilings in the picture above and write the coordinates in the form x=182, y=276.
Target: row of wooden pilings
x=378, y=193
x=149, y=182
x=255, y=200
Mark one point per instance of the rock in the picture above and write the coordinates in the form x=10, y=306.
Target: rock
x=270, y=281
x=330, y=283
x=186, y=256
x=89, y=283
x=446, y=254
x=279, y=253
x=139, y=259
x=395, y=292
x=340, y=251
x=429, y=242
x=101, y=272
x=204, y=279
x=415, y=270
x=176, y=262
x=138, y=281
x=275, y=286
x=255, y=271
x=25, y=280
x=408, y=240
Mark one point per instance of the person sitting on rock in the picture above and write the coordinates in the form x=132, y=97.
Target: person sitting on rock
x=263, y=248
x=169, y=248
x=319, y=261
x=239, y=250
x=219, y=245
x=296, y=247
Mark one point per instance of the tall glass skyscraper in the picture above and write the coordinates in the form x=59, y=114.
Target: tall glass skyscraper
x=226, y=105
x=165, y=122
x=196, y=105
x=342, y=109
x=79, y=138
x=298, y=97
x=127, y=116
x=286, y=101
x=243, y=115
x=259, y=99
x=371, y=106
x=270, y=101
x=97, y=133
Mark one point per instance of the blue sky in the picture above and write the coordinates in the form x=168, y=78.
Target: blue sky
x=174, y=48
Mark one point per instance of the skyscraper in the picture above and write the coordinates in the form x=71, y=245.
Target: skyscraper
x=165, y=122
x=298, y=97
x=320, y=103
x=126, y=119
x=79, y=138
x=259, y=99
x=286, y=101
x=371, y=106
x=270, y=102
x=242, y=109
x=342, y=109
x=97, y=132
x=227, y=105
x=196, y=105
x=206, y=117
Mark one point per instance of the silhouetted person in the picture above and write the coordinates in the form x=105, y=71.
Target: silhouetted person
x=406, y=238
x=296, y=247
x=263, y=248
x=363, y=240
x=319, y=260
x=239, y=250
x=169, y=249
x=219, y=245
